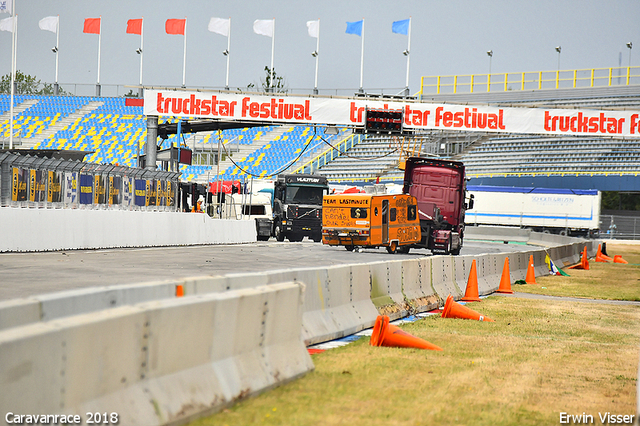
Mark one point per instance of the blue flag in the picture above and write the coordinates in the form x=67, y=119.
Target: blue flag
x=355, y=28
x=401, y=27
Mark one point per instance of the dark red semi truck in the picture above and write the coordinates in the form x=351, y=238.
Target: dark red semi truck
x=440, y=188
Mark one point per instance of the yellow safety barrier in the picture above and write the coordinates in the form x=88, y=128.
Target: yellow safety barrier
x=533, y=80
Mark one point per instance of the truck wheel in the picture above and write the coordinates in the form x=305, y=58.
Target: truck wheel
x=404, y=249
x=317, y=238
x=277, y=232
x=392, y=247
x=296, y=238
x=349, y=248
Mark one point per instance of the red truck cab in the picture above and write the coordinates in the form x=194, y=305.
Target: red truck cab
x=440, y=188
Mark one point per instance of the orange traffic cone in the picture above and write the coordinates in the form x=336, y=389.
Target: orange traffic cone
x=385, y=334
x=179, y=290
x=601, y=257
x=505, y=281
x=471, y=294
x=584, y=263
x=531, y=273
x=618, y=259
x=453, y=309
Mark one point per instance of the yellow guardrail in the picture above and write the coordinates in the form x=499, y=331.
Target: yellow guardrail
x=535, y=80
x=329, y=154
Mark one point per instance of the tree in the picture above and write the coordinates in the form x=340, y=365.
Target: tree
x=279, y=82
x=27, y=85
x=614, y=200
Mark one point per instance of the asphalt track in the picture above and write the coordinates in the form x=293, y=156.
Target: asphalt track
x=28, y=274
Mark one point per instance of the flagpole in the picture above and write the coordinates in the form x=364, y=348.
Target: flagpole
x=184, y=60
x=98, y=91
x=273, y=43
x=228, y=47
x=55, y=87
x=362, y=57
x=141, y=51
x=14, y=36
x=315, y=87
x=406, y=89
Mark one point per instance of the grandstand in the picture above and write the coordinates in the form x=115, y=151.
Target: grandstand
x=116, y=133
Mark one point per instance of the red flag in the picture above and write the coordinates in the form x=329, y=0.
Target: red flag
x=92, y=26
x=175, y=26
x=134, y=26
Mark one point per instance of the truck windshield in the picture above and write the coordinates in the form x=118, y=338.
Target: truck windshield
x=304, y=195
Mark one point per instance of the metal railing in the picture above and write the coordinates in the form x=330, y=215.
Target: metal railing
x=620, y=227
x=37, y=182
x=329, y=154
x=534, y=80
x=118, y=90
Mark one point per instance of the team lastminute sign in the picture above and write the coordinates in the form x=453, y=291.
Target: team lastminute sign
x=385, y=116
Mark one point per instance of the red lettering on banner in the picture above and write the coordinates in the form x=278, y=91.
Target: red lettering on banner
x=264, y=110
x=634, y=124
x=355, y=114
x=275, y=109
x=581, y=124
x=415, y=116
x=206, y=107
x=176, y=105
x=214, y=105
x=159, y=103
x=307, y=110
x=470, y=119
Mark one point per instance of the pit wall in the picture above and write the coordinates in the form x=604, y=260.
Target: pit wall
x=28, y=230
x=231, y=336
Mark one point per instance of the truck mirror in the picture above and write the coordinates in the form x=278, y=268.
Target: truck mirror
x=470, y=207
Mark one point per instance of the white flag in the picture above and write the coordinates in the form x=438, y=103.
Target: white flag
x=7, y=24
x=219, y=26
x=263, y=27
x=314, y=28
x=6, y=6
x=50, y=23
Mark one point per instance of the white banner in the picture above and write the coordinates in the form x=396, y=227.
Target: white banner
x=417, y=115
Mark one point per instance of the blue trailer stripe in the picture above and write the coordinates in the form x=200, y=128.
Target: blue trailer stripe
x=528, y=216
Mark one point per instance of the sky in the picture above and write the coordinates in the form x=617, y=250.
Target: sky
x=449, y=37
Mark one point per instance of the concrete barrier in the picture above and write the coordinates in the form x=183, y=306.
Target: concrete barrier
x=443, y=277
x=158, y=362
x=386, y=288
x=461, y=269
x=416, y=285
x=518, y=263
x=62, y=304
x=498, y=233
x=25, y=230
x=167, y=360
x=426, y=279
x=395, y=284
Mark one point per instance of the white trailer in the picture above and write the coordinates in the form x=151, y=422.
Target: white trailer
x=559, y=211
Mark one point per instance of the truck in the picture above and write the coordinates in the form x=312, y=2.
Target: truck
x=439, y=187
x=550, y=210
x=370, y=220
x=297, y=208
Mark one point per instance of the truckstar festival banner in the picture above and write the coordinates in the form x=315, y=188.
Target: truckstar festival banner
x=417, y=115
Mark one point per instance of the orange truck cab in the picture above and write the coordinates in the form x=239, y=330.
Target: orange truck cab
x=371, y=220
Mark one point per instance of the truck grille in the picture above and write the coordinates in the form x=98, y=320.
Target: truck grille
x=304, y=213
